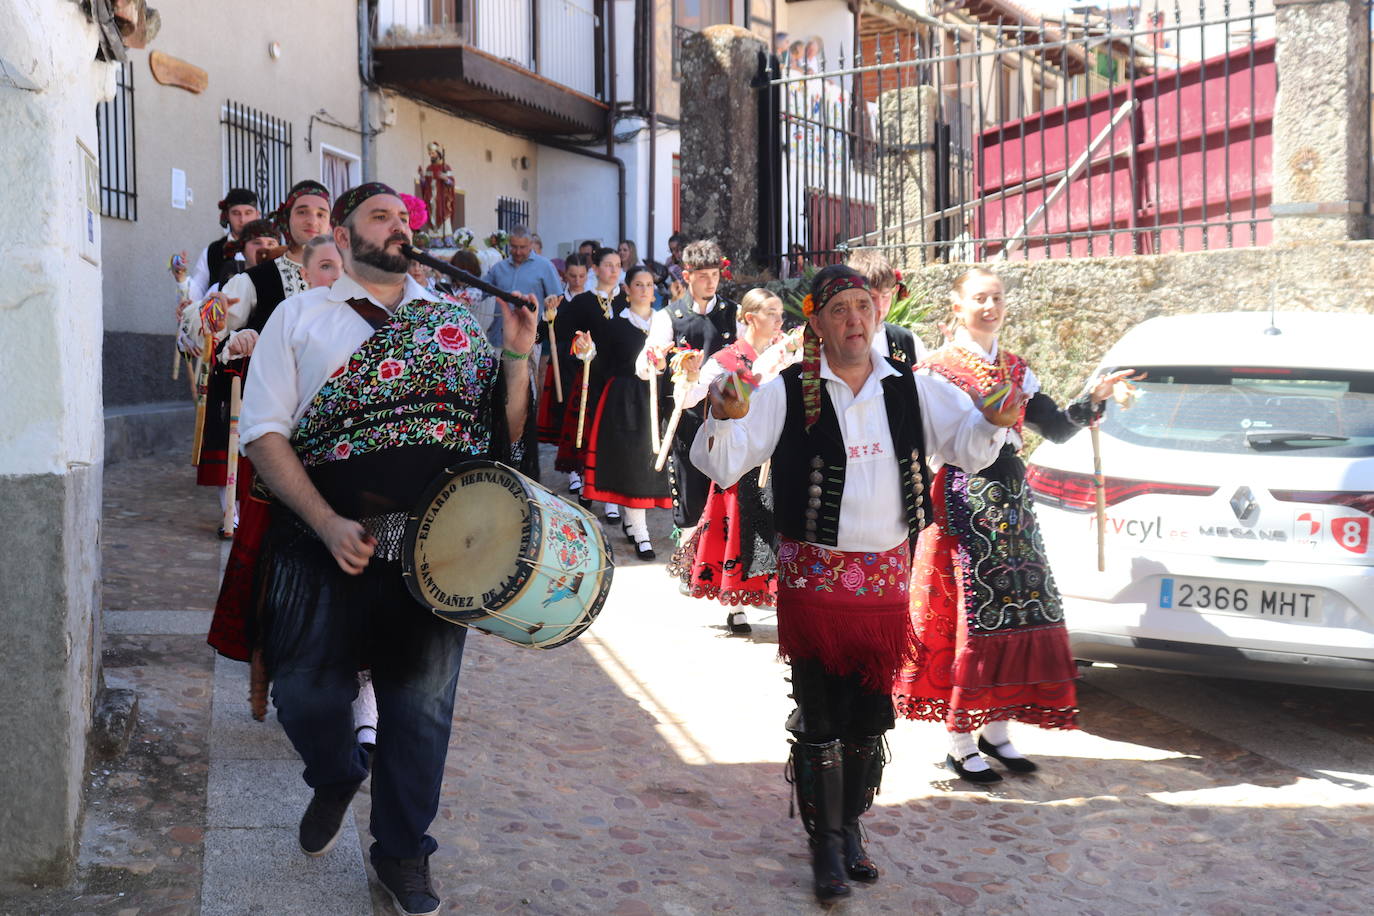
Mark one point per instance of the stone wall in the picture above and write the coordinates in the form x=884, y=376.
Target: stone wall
x=1064, y=314
x=50, y=430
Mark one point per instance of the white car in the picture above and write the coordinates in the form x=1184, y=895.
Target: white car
x=1239, y=490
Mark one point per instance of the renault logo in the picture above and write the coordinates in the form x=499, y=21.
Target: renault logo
x=1243, y=504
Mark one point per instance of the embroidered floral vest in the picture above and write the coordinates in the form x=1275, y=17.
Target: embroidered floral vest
x=417, y=393
x=970, y=372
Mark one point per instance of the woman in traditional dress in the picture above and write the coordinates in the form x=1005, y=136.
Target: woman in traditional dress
x=984, y=604
x=620, y=455
x=587, y=312
x=549, y=420
x=729, y=556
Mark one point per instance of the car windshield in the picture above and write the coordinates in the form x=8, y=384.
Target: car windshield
x=1237, y=410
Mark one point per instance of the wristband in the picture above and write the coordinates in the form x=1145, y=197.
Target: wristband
x=510, y=354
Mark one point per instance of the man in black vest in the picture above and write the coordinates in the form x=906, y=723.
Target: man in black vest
x=700, y=321
x=238, y=209
x=248, y=300
x=850, y=434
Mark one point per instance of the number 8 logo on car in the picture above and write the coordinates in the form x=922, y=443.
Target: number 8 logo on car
x=1352, y=533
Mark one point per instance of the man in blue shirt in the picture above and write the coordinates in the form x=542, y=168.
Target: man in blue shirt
x=523, y=271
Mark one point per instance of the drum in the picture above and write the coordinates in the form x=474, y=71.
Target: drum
x=491, y=549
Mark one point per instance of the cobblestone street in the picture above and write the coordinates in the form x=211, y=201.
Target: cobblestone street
x=639, y=771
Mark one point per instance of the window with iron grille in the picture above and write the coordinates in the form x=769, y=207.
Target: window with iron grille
x=511, y=212
x=257, y=153
x=114, y=121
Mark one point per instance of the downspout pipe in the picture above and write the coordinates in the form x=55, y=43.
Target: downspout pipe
x=364, y=91
x=653, y=130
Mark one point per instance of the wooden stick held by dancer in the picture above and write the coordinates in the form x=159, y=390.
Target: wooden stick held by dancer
x=551, y=313
x=207, y=357
x=177, y=267
x=231, y=474
x=585, y=350
x=1100, y=492
x=654, y=442
x=686, y=367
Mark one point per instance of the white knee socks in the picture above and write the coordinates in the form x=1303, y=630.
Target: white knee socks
x=996, y=734
x=637, y=523
x=965, y=752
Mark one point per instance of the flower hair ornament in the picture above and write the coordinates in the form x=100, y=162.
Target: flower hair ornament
x=417, y=211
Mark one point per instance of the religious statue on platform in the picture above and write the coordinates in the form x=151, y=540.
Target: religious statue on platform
x=435, y=187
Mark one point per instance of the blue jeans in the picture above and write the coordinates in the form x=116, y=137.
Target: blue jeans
x=321, y=626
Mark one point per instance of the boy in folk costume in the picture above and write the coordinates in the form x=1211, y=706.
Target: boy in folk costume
x=730, y=556
x=248, y=299
x=238, y=209
x=891, y=339
x=701, y=321
x=323, y=423
x=848, y=433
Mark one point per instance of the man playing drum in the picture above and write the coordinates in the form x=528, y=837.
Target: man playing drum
x=849, y=433
x=358, y=396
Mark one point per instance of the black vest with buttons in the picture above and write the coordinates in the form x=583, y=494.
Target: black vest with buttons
x=707, y=333
x=809, y=466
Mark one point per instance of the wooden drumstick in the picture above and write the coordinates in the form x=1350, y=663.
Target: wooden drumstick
x=231, y=475
x=207, y=358
x=682, y=382
x=763, y=473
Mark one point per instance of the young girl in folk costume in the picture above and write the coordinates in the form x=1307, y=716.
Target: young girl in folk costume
x=576, y=275
x=984, y=604
x=620, y=456
x=730, y=555
x=588, y=312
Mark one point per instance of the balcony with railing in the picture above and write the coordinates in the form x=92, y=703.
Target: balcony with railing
x=528, y=65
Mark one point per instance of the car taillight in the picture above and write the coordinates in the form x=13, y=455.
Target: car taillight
x=1068, y=490
x=1355, y=499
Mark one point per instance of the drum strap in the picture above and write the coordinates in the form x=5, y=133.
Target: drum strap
x=374, y=315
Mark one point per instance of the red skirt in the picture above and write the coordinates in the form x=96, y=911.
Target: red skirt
x=233, y=627
x=715, y=563
x=549, y=418
x=618, y=463
x=572, y=457
x=967, y=681
x=847, y=610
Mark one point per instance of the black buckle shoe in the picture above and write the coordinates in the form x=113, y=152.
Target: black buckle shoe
x=740, y=626
x=323, y=821
x=407, y=882
x=645, y=550
x=978, y=776
x=1015, y=764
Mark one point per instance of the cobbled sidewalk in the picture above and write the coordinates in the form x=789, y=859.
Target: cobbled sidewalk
x=639, y=771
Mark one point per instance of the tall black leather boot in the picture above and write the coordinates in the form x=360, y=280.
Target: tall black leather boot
x=863, y=774
x=824, y=766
